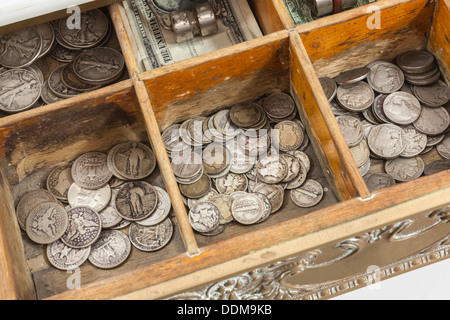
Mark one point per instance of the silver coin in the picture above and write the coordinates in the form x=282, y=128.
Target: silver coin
x=63, y=257
x=365, y=168
x=240, y=162
x=192, y=202
x=29, y=201
x=288, y=136
x=416, y=142
x=48, y=96
x=232, y=182
x=433, y=121
x=443, y=148
x=377, y=109
x=162, y=210
x=204, y=217
x=84, y=227
x=352, y=76
x=20, y=48
x=90, y=170
x=434, y=140
x=267, y=207
x=224, y=203
x=385, y=77
x=279, y=105
x=110, y=250
x=329, y=87
x=220, y=229
x=95, y=199
x=293, y=167
x=377, y=181
x=47, y=34
x=187, y=164
x=352, y=129
x=248, y=209
x=402, y=108
x=415, y=61
x=405, y=169
x=20, y=89
x=271, y=169
x=136, y=200
x=355, y=97
x=59, y=181
x=46, y=223
x=387, y=141
x=254, y=147
x=151, y=238
x=57, y=87
x=172, y=139
x=274, y=193
x=308, y=195
x=109, y=216
x=63, y=54
x=133, y=160
x=433, y=96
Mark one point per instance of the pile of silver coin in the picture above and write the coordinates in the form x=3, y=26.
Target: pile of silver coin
x=86, y=206
x=237, y=164
x=85, y=64
x=394, y=112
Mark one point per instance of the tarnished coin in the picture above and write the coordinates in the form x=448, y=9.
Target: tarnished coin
x=405, y=169
x=136, y=200
x=63, y=257
x=192, y=202
x=29, y=201
x=289, y=136
x=377, y=181
x=172, y=139
x=433, y=96
x=216, y=158
x=303, y=157
x=254, y=146
x=248, y=209
x=329, y=86
x=433, y=121
x=240, y=162
x=90, y=170
x=437, y=166
x=204, y=217
x=71, y=81
x=47, y=95
x=47, y=34
x=274, y=193
x=246, y=115
x=385, y=77
x=197, y=189
x=151, y=238
x=308, y=195
x=402, y=108
x=59, y=182
x=47, y=223
x=365, y=168
x=378, y=110
x=84, y=227
x=220, y=229
x=110, y=250
x=293, y=167
x=279, y=105
x=99, y=66
x=162, y=210
x=360, y=153
x=96, y=199
x=267, y=207
x=109, y=216
x=443, y=148
x=94, y=28
x=387, y=141
x=224, y=125
x=63, y=54
x=224, y=203
x=232, y=182
x=20, y=89
x=434, y=140
x=134, y=160
x=416, y=61
x=187, y=164
x=416, y=142
x=352, y=129
x=20, y=48
x=271, y=169
x=355, y=97
x=57, y=87
x=352, y=76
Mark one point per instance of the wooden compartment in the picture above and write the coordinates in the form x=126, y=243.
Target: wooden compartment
x=289, y=61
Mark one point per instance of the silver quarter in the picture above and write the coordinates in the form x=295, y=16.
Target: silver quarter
x=84, y=227
x=110, y=250
x=46, y=223
x=90, y=170
x=136, y=200
x=151, y=238
x=65, y=258
x=162, y=210
x=96, y=199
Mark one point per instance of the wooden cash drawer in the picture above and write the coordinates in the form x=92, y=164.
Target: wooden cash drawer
x=290, y=60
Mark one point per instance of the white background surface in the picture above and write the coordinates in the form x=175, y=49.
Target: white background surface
x=427, y=283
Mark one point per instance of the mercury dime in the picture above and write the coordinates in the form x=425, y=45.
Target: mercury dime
x=110, y=250
x=279, y=105
x=197, y=189
x=352, y=129
x=405, y=169
x=240, y=162
x=271, y=169
x=232, y=182
x=162, y=210
x=151, y=238
x=246, y=115
x=90, y=170
x=267, y=207
x=303, y=157
x=386, y=77
x=352, y=76
x=416, y=142
x=136, y=200
x=109, y=216
x=63, y=257
x=293, y=167
x=248, y=209
x=96, y=199
x=273, y=192
x=134, y=160
x=416, y=61
x=84, y=227
x=387, y=141
x=204, y=217
x=187, y=164
x=289, y=136
x=437, y=166
x=20, y=89
x=29, y=201
x=99, y=66
x=20, y=48
x=329, y=86
x=192, y=202
x=224, y=125
x=377, y=181
x=216, y=158
x=355, y=97
x=402, y=108
x=172, y=139
x=59, y=182
x=224, y=203
x=308, y=195
x=435, y=95
x=443, y=148
x=433, y=121
x=47, y=223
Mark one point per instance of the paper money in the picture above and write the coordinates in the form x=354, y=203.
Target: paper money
x=300, y=10
x=157, y=47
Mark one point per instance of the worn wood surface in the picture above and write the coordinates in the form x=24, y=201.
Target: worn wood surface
x=272, y=15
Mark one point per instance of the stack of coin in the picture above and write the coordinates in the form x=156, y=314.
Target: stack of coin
x=85, y=65
x=237, y=164
x=393, y=113
x=86, y=204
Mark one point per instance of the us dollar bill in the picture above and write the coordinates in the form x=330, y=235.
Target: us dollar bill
x=156, y=47
x=300, y=10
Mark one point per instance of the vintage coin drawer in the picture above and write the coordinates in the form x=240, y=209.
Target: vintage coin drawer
x=306, y=254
